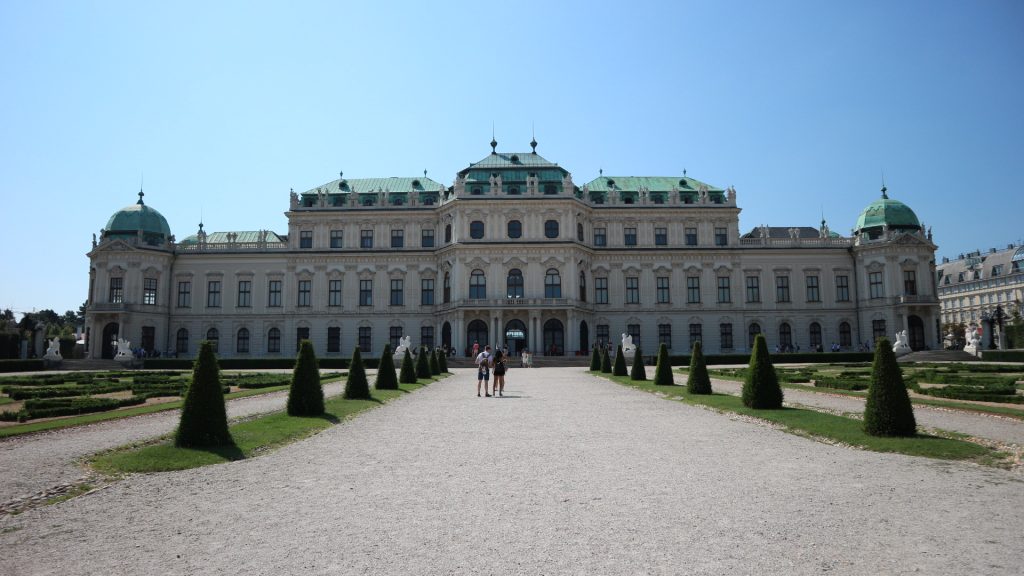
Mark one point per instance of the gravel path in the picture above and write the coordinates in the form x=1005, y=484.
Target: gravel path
x=569, y=474
x=992, y=427
x=47, y=463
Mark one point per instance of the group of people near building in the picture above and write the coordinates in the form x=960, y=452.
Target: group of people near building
x=486, y=362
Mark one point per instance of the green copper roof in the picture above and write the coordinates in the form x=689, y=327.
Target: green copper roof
x=128, y=221
x=243, y=236
x=887, y=212
x=392, y=184
x=513, y=160
x=652, y=183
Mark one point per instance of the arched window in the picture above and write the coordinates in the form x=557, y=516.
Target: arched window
x=274, y=341
x=515, y=229
x=785, y=336
x=447, y=233
x=242, y=341
x=214, y=337
x=845, y=335
x=476, y=191
x=476, y=229
x=514, y=283
x=551, y=229
x=579, y=231
x=477, y=284
x=815, y=335
x=752, y=332
x=552, y=284
x=447, y=288
x=513, y=191
x=181, y=342
x=583, y=290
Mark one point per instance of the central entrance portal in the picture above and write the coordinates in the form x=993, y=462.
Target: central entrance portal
x=515, y=337
x=476, y=333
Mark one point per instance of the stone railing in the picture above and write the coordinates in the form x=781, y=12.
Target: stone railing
x=232, y=247
x=793, y=242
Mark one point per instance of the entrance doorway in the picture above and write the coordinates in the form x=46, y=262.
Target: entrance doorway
x=515, y=337
x=446, y=335
x=476, y=333
x=110, y=332
x=554, y=338
x=584, y=337
x=149, y=339
x=915, y=332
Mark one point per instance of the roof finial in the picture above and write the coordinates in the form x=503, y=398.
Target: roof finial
x=494, y=143
x=142, y=180
x=341, y=174
x=684, y=172
x=533, y=138
x=424, y=172
x=141, y=194
x=884, y=189
x=600, y=171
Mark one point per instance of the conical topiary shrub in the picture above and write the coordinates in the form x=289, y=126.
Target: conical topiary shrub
x=204, y=420
x=698, y=382
x=408, y=374
x=620, y=363
x=442, y=362
x=606, y=363
x=663, y=371
x=306, y=397
x=595, y=361
x=761, y=387
x=888, y=411
x=637, y=371
x=423, y=365
x=356, y=387
x=386, y=378
x=435, y=367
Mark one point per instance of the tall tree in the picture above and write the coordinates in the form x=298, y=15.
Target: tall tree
x=356, y=387
x=663, y=371
x=306, y=396
x=386, y=378
x=637, y=372
x=888, y=411
x=698, y=381
x=204, y=419
x=761, y=388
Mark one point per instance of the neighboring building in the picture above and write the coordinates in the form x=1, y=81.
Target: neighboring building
x=973, y=285
x=514, y=252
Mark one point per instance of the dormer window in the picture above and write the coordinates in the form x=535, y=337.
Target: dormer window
x=550, y=189
x=514, y=159
x=416, y=184
x=476, y=191
x=513, y=191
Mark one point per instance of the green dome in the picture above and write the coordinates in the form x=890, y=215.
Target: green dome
x=128, y=221
x=887, y=212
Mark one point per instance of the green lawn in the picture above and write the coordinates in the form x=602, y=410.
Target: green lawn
x=252, y=437
x=822, y=425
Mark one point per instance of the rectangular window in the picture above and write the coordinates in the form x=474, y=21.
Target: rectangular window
x=305, y=239
x=395, y=337
x=693, y=289
x=397, y=292
x=661, y=236
x=753, y=289
x=301, y=333
x=602, y=334
x=629, y=236
x=601, y=290
x=427, y=238
x=600, y=237
x=274, y=294
x=184, y=294
x=337, y=239
x=365, y=340
x=213, y=294
x=725, y=335
x=334, y=339
x=842, y=288
x=813, y=294
x=665, y=335
x=427, y=291
x=305, y=290
x=695, y=334
x=876, y=290
x=245, y=293
x=721, y=237
x=274, y=341
x=691, y=236
x=662, y=289
x=909, y=283
x=782, y=288
x=149, y=291
x=878, y=329
x=116, y=294
x=427, y=336
x=634, y=331
x=632, y=290
x=366, y=292
x=397, y=238
x=366, y=238
x=724, y=290
x=334, y=293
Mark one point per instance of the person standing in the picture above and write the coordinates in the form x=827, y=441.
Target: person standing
x=483, y=370
x=499, y=373
x=523, y=358
x=476, y=349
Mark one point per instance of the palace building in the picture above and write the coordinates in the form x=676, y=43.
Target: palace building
x=514, y=252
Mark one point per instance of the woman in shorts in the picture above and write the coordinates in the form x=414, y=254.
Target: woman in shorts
x=499, y=373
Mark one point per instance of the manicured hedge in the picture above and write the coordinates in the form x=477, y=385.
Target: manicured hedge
x=1003, y=355
x=256, y=363
x=24, y=392
x=781, y=358
x=21, y=365
x=50, y=407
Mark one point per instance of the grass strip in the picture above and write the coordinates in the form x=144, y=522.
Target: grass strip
x=816, y=424
x=252, y=437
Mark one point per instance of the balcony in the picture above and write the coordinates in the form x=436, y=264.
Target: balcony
x=917, y=299
x=510, y=303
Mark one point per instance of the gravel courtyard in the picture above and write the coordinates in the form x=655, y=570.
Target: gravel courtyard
x=568, y=474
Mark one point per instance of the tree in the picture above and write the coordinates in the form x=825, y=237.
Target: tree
x=204, y=419
x=663, y=370
x=888, y=411
x=306, y=397
x=356, y=387
x=606, y=363
x=386, y=378
x=442, y=362
x=761, y=388
x=422, y=365
x=435, y=367
x=620, y=363
x=637, y=372
x=595, y=360
x=698, y=381
x=408, y=375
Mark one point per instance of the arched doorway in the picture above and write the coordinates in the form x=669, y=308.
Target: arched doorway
x=515, y=337
x=584, y=336
x=915, y=332
x=110, y=333
x=446, y=335
x=554, y=338
x=476, y=332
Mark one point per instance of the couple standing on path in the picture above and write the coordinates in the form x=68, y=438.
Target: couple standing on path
x=485, y=361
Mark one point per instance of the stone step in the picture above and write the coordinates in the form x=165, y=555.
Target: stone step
x=938, y=356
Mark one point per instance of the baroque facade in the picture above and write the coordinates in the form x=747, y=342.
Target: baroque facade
x=973, y=285
x=513, y=252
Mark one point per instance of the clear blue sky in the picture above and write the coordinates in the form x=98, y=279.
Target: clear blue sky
x=224, y=106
